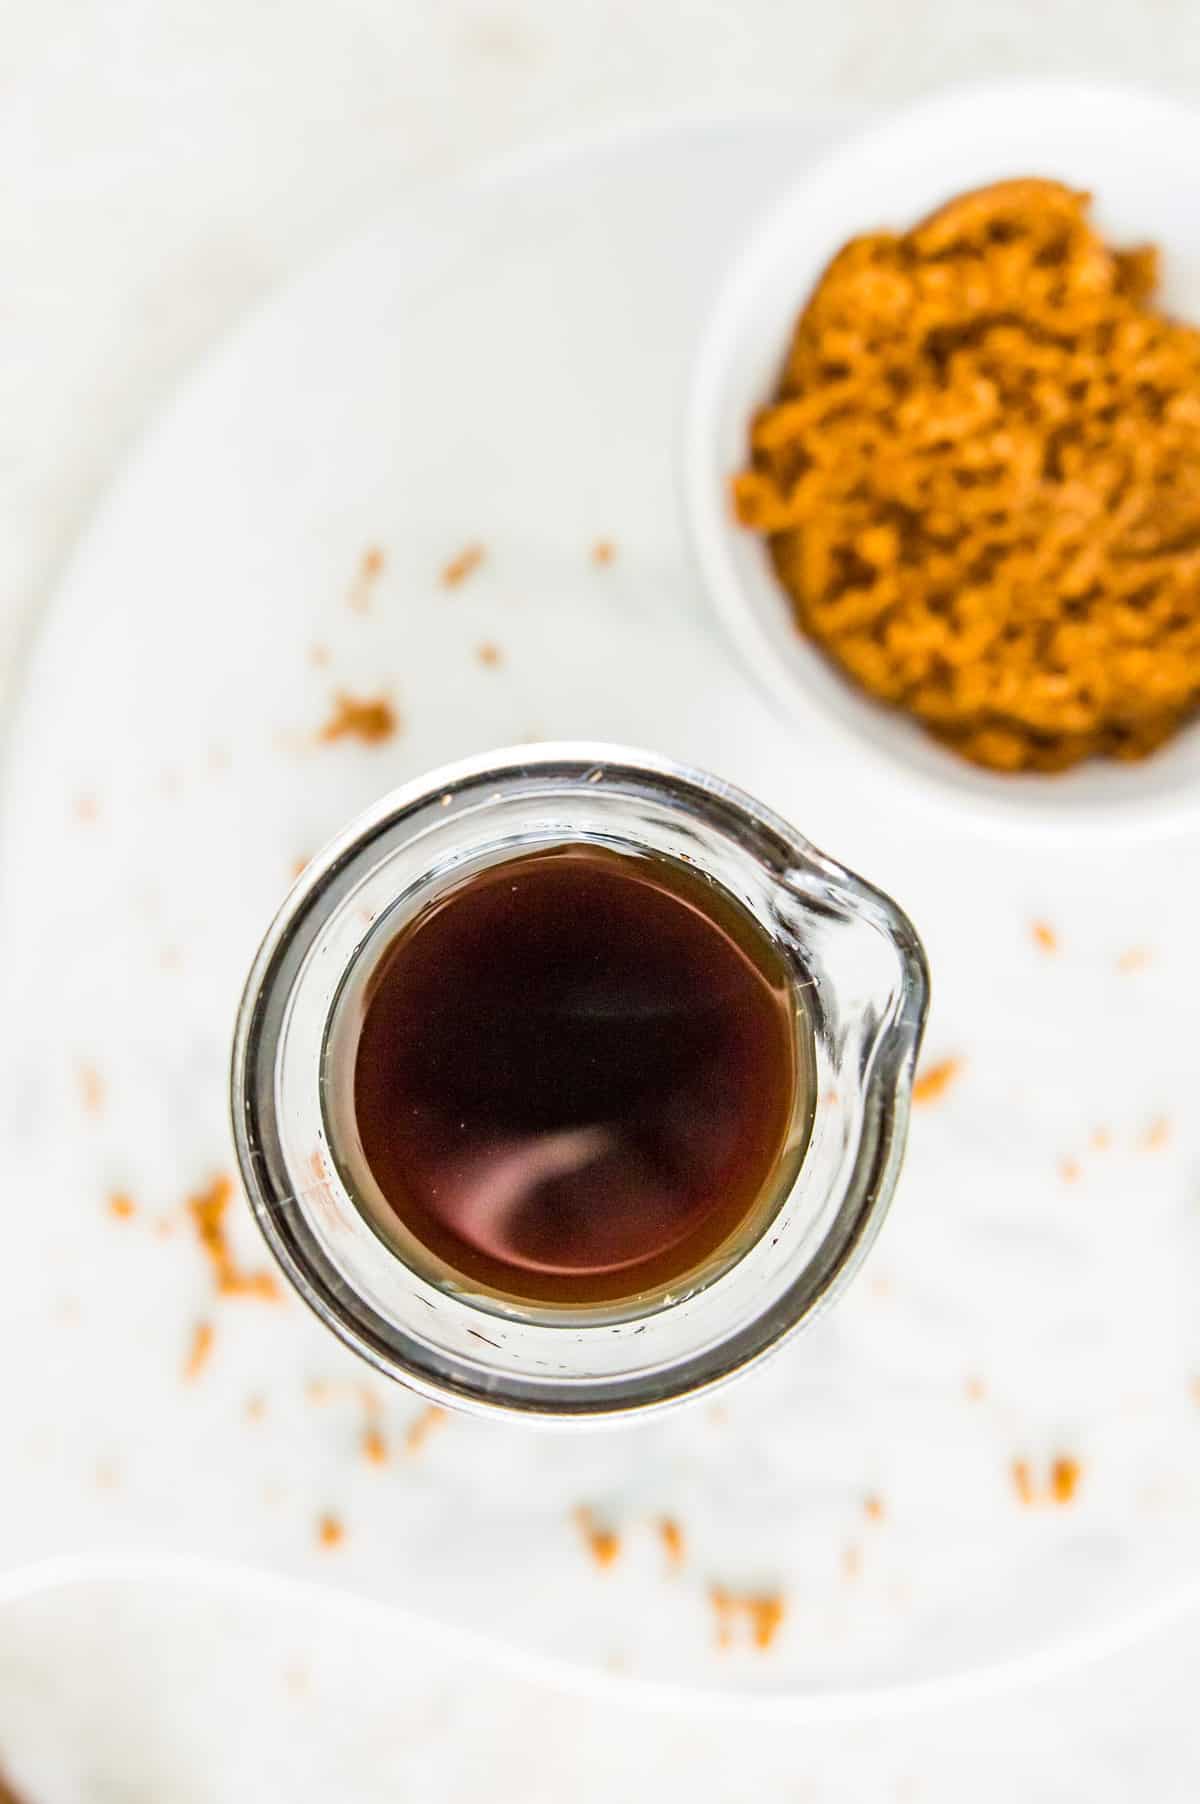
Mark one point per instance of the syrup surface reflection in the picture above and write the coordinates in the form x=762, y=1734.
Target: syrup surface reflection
x=577, y=1074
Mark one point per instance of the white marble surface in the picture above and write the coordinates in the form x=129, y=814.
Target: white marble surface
x=251, y=1698
x=173, y=162
x=118, y=1689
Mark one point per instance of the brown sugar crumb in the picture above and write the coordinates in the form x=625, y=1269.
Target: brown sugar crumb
x=489, y=655
x=1059, y=1487
x=422, y=1426
x=603, y=552
x=375, y=1448
x=1065, y=1473
x=317, y=1390
x=370, y=569
x=87, y=810
x=121, y=1205
x=319, y=656
x=873, y=1508
x=766, y=1618
x=724, y=1609
x=199, y=1351
x=255, y=1408
x=674, y=1543
x=976, y=1390
x=851, y=1560
x=760, y=1612
x=604, y=1544
x=1101, y=1140
x=331, y=1531
x=935, y=1080
x=462, y=566
x=1156, y=1134
x=1134, y=958
x=371, y=721
x=1022, y=1477
x=1044, y=936
x=91, y=1089
x=207, y=1210
x=1069, y=1170
x=978, y=478
x=299, y=866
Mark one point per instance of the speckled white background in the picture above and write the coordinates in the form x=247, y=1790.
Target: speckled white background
x=167, y=164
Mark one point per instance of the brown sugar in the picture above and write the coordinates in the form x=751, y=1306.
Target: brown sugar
x=1134, y=958
x=431, y=1418
x=935, y=1080
x=87, y=810
x=369, y=571
x=331, y=1531
x=121, y=1205
x=603, y=552
x=1065, y=1473
x=1022, y=1477
x=374, y=1446
x=760, y=1613
x=873, y=1508
x=1157, y=1134
x=766, y=1618
x=674, y=1542
x=371, y=720
x=1059, y=1487
x=980, y=481
x=207, y=1209
x=91, y=1089
x=603, y=1543
x=1069, y=1171
x=1044, y=936
x=200, y=1350
x=489, y=655
x=459, y=568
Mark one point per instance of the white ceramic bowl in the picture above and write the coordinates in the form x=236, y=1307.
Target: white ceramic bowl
x=1139, y=156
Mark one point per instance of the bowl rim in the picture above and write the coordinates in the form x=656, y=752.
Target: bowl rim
x=1000, y=804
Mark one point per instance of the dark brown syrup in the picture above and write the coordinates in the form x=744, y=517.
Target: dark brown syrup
x=577, y=1074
